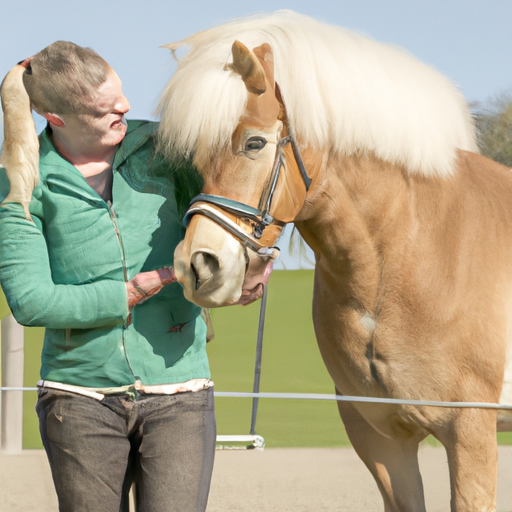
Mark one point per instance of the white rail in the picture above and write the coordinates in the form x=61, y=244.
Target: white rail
x=365, y=399
x=339, y=398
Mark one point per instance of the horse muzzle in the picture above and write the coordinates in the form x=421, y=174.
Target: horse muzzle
x=215, y=269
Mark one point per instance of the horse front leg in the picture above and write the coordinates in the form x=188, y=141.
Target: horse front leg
x=470, y=442
x=392, y=462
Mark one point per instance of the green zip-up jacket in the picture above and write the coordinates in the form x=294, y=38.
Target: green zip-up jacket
x=66, y=270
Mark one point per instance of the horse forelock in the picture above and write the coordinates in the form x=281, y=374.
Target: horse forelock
x=342, y=90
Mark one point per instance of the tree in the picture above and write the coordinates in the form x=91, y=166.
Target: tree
x=494, y=128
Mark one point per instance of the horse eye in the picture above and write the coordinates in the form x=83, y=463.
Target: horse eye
x=255, y=144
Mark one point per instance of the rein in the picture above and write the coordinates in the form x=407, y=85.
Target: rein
x=215, y=207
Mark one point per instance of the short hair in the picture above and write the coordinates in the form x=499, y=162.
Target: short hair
x=63, y=78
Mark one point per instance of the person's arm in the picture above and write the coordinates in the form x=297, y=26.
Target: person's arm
x=146, y=284
x=34, y=299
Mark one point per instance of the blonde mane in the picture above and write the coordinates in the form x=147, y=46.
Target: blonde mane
x=342, y=91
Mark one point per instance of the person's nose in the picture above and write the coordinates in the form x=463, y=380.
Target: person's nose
x=122, y=105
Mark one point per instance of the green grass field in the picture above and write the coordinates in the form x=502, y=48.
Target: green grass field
x=291, y=363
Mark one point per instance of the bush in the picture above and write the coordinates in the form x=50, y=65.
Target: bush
x=494, y=128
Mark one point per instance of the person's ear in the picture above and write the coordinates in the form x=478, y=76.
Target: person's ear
x=53, y=119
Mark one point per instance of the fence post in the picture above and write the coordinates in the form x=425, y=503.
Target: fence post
x=12, y=376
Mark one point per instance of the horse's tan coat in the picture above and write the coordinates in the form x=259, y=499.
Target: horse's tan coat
x=412, y=299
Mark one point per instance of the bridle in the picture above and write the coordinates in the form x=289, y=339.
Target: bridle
x=219, y=208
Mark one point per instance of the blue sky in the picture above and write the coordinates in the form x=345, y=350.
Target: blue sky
x=470, y=41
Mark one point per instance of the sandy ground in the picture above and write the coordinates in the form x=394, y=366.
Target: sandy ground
x=277, y=480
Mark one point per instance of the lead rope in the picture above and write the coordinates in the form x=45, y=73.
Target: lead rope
x=257, y=365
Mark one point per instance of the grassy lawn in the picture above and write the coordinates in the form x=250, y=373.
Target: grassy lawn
x=33, y=348
x=291, y=363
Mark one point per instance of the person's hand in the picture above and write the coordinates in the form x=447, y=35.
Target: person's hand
x=146, y=284
x=257, y=276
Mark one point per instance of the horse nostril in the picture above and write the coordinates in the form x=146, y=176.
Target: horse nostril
x=211, y=261
x=204, y=265
x=198, y=281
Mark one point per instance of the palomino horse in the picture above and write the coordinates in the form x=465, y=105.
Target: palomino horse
x=372, y=155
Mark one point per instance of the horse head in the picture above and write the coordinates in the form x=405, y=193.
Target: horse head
x=253, y=187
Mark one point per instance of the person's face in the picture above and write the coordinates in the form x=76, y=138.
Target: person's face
x=105, y=127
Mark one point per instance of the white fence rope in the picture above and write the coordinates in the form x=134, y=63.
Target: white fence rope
x=364, y=399
x=338, y=398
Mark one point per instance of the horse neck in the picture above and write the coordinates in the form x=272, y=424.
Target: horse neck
x=356, y=211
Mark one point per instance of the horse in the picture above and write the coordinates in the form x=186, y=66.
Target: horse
x=373, y=156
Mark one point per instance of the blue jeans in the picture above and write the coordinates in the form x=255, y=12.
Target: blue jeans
x=163, y=443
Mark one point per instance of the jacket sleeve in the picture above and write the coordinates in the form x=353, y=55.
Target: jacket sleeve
x=25, y=276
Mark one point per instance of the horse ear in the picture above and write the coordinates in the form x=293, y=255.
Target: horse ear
x=266, y=58
x=246, y=64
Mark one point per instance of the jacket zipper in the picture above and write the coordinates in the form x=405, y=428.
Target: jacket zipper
x=113, y=218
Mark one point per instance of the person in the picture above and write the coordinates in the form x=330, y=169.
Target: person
x=125, y=393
